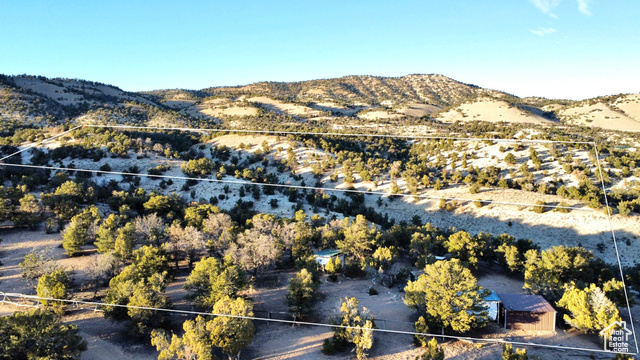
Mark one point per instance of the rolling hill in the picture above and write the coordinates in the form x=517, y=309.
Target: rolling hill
x=37, y=100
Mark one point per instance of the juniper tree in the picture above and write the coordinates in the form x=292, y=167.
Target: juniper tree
x=211, y=280
x=39, y=334
x=80, y=230
x=231, y=333
x=433, y=351
x=125, y=239
x=142, y=284
x=193, y=344
x=107, y=233
x=546, y=272
x=301, y=294
x=357, y=327
x=359, y=239
x=448, y=296
x=54, y=285
x=508, y=354
x=465, y=247
x=588, y=310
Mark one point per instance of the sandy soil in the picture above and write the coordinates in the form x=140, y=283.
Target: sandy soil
x=602, y=115
x=630, y=104
x=15, y=245
x=279, y=341
x=490, y=110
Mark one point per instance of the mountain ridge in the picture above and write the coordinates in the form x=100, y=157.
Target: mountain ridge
x=366, y=97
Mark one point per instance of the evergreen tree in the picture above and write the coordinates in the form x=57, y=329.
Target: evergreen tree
x=465, y=247
x=123, y=245
x=358, y=328
x=107, y=232
x=141, y=284
x=301, y=294
x=510, y=159
x=588, y=310
x=359, y=239
x=508, y=354
x=54, y=286
x=193, y=344
x=548, y=271
x=80, y=230
x=231, y=334
x=448, y=296
x=330, y=267
x=38, y=334
x=211, y=280
x=433, y=351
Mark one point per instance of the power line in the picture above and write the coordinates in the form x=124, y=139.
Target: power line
x=615, y=243
x=7, y=299
x=41, y=142
x=237, y=182
x=296, y=186
x=335, y=190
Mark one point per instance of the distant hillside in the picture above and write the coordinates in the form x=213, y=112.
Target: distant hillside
x=428, y=89
x=39, y=100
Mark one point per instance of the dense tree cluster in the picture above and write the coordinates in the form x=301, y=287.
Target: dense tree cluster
x=39, y=334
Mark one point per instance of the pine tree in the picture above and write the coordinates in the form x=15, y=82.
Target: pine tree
x=211, y=280
x=589, y=310
x=359, y=238
x=330, y=267
x=448, y=296
x=79, y=231
x=301, y=295
x=433, y=352
x=54, y=286
x=123, y=245
x=39, y=334
x=194, y=344
x=507, y=353
x=465, y=247
x=231, y=334
x=358, y=328
x=338, y=265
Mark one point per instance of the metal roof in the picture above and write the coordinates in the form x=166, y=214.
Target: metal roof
x=329, y=253
x=492, y=297
x=529, y=303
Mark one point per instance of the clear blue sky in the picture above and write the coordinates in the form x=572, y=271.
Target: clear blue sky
x=552, y=48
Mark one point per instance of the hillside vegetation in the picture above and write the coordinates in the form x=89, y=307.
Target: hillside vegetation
x=360, y=100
